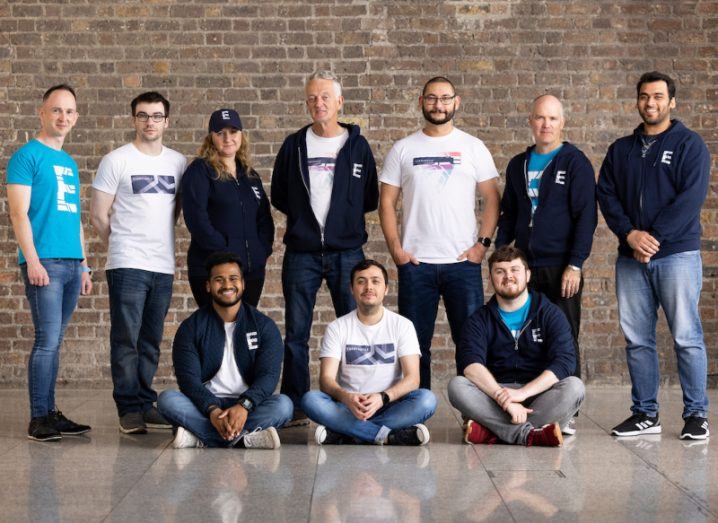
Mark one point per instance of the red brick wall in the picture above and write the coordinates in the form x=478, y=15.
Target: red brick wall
x=254, y=56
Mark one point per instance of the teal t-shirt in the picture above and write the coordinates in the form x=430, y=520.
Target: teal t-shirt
x=514, y=320
x=55, y=199
x=536, y=166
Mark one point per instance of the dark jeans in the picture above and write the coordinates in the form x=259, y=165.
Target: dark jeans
x=139, y=301
x=51, y=307
x=302, y=275
x=548, y=281
x=252, y=289
x=420, y=287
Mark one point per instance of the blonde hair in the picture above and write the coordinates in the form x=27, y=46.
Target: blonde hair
x=209, y=152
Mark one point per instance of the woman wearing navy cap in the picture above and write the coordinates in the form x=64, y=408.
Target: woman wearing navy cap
x=225, y=207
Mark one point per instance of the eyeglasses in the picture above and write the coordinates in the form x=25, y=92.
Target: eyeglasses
x=445, y=100
x=156, y=117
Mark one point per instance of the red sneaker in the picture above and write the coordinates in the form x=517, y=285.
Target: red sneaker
x=476, y=433
x=547, y=436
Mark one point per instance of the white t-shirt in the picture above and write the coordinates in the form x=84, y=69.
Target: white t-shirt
x=142, y=220
x=369, y=354
x=321, y=159
x=438, y=178
x=228, y=382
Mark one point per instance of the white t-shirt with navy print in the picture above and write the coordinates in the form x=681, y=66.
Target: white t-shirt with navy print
x=321, y=158
x=438, y=177
x=369, y=354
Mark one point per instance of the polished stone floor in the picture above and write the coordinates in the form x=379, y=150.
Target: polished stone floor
x=109, y=476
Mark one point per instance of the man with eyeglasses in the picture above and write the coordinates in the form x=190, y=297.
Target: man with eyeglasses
x=135, y=205
x=324, y=180
x=436, y=171
x=43, y=195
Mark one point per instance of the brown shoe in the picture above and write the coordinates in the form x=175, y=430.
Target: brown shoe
x=477, y=433
x=547, y=436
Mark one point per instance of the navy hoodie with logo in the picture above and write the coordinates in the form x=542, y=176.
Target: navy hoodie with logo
x=566, y=216
x=545, y=342
x=661, y=193
x=355, y=191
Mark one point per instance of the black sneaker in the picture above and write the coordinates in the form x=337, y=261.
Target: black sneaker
x=414, y=436
x=132, y=423
x=639, y=423
x=325, y=436
x=42, y=429
x=66, y=426
x=695, y=428
x=154, y=420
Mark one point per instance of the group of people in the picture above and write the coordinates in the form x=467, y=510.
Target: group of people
x=517, y=356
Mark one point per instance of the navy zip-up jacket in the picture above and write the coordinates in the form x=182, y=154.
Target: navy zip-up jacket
x=199, y=347
x=229, y=216
x=545, y=343
x=661, y=193
x=566, y=215
x=355, y=191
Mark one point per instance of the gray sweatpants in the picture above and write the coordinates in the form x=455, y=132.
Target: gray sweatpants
x=555, y=405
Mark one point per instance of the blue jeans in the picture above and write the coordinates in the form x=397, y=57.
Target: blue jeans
x=139, y=301
x=674, y=283
x=416, y=407
x=302, y=275
x=274, y=411
x=51, y=307
x=420, y=287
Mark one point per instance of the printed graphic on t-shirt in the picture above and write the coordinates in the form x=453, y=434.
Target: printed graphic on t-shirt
x=321, y=168
x=379, y=354
x=533, y=189
x=64, y=189
x=440, y=167
x=151, y=184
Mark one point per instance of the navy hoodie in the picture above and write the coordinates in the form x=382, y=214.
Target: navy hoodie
x=199, y=347
x=355, y=191
x=661, y=193
x=545, y=342
x=566, y=215
x=229, y=216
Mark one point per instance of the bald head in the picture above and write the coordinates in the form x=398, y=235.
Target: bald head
x=546, y=122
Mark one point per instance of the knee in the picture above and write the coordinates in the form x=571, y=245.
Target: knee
x=455, y=385
x=285, y=407
x=426, y=401
x=310, y=401
x=167, y=399
x=575, y=387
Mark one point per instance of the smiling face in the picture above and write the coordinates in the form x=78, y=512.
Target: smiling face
x=227, y=142
x=323, y=101
x=439, y=103
x=225, y=284
x=546, y=121
x=510, y=278
x=150, y=130
x=654, y=104
x=58, y=114
x=369, y=287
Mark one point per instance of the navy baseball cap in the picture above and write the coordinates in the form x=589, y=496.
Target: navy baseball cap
x=224, y=118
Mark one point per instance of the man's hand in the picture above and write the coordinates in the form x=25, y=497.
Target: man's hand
x=640, y=257
x=506, y=396
x=475, y=254
x=570, y=282
x=518, y=413
x=643, y=243
x=371, y=403
x=354, y=404
x=402, y=257
x=37, y=274
x=86, y=285
x=235, y=417
x=220, y=423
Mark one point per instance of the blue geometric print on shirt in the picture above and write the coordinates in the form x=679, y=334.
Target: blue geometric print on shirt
x=151, y=184
x=379, y=354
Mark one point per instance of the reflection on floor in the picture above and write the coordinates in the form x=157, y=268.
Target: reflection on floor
x=109, y=476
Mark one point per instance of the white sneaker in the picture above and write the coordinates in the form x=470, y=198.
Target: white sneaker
x=262, y=439
x=184, y=439
x=320, y=434
x=569, y=429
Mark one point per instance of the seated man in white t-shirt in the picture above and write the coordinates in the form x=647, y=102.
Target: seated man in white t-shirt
x=369, y=375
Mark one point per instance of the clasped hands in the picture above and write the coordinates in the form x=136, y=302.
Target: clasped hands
x=229, y=422
x=363, y=406
x=511, y=401
x=643, y=244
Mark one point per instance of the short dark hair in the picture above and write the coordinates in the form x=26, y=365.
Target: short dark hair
x=150, y=97
x=364, y=265
x=655, y=76
x=438, y=80
x=220, y=258
x=59, y=87
x=507, y=253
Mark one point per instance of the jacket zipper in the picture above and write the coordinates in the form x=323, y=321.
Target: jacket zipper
x=244, y=232
x=301, y=175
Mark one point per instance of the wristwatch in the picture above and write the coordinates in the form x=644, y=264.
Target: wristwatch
x=574, y=268
x=246, y=403
x=483, y=240
x=384, y=399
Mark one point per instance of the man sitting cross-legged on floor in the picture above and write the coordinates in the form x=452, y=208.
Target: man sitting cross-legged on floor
x=517, y=357
x=369, y=374
x=227, y=358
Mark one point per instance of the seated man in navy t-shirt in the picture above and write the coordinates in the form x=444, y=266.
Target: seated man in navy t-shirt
x=516, y=355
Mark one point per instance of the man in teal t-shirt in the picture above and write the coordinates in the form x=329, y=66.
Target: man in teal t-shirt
x=43, y=191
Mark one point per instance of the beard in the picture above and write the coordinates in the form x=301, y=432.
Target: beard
x=656, y=119
x=510, y=295
x=439, y=117
x=223, y=302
